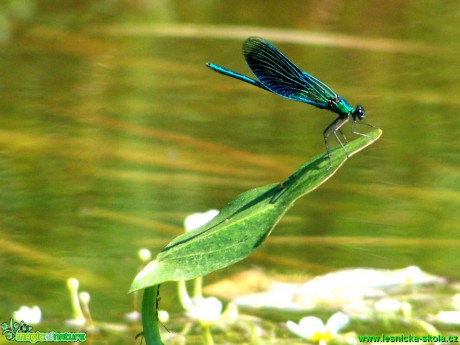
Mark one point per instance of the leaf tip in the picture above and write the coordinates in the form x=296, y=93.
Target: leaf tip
x=138, y=282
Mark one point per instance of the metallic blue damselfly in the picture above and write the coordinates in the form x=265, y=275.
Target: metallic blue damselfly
x=279, y=75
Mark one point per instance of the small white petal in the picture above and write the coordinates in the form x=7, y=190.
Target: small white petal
x=206, y=310
x=296, y=329
x=84, y=297
x=133, y=316
x=307, y=328
x=388, y=305
x=72, y=283
x=144, y=254
x=337, y=321
x=449, y=317
x=231, y=313
x=163, y=316
x=30, y=316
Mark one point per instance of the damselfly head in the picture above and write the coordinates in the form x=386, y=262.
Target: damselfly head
x=359, y=113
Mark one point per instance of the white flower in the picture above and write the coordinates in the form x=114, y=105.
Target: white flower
x=388, y=306
x=313, y=328
x=133, y=316
x=163, y=316
x=78, y=317
x=84, y=297
x=144, y=254
x=448, y=317
x=30, y=316
x=231, y=313
x=195, y=220
x=207, y=311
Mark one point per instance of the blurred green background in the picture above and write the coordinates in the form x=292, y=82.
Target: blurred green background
x=112, y=131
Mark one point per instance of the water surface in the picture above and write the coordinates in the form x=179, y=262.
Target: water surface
x=113, y=131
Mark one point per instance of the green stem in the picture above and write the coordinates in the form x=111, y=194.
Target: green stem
x=150, y=316
x=208, y=336
x=184, y=297
x=198, y=287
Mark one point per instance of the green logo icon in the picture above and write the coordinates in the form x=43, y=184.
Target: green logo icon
x=22, y=332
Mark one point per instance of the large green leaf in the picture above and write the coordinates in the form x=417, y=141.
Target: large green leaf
x=243, y=224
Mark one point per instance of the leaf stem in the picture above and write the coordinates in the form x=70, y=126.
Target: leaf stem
x=150, y=316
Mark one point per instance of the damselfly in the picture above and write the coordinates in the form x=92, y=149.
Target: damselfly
x=279, y=75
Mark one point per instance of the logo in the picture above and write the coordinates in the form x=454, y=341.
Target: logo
x=22, y=332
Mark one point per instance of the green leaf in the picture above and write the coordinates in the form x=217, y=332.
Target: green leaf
x=243, y=224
